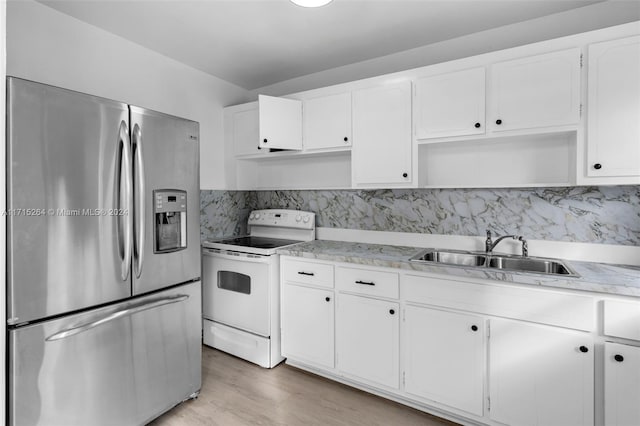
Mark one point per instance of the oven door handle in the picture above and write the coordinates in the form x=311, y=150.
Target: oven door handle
x=234, y=255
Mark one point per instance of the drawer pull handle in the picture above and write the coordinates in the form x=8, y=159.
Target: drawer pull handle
x=618, y=358
x=365, y=282
x=584, y=349
x=309, y=274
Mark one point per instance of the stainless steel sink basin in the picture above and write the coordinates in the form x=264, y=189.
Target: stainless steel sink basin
x=536, y=265
x=451, y=258
x=542, y=266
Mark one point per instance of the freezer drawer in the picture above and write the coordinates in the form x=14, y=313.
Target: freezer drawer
x=119, y=365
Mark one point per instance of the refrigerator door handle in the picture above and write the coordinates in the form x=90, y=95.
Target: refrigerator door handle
x=131, y=310
x=140, y=204
x=124, y=200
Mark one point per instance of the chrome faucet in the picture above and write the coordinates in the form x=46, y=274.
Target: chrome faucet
x=489, y=244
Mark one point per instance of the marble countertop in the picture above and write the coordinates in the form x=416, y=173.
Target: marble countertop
x=593, y=277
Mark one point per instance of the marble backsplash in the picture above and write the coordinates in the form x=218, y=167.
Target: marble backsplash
x=606, y=215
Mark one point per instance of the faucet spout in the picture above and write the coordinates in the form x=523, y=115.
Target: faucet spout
x=489, y=244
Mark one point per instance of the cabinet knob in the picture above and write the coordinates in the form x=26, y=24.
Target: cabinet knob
x=498, y=122
x=328, y=299
x=346, y=139
x=474, y=327
x=264, y=140
x=477, y=125
x=404, y=175
x=584, y=349
x=597, y=166
x=391, y=311
x=259, y=147
x=618, y=358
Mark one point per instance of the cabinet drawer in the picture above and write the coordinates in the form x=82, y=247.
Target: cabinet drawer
x=304, y=272
x=622, y=319
x=363, y=281
x=543, y=306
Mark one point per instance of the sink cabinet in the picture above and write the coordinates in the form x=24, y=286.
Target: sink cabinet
x=476, y=350
x=621, y=384
x=540, y=376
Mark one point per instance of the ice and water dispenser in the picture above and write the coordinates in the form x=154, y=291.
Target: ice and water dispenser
x=170, y=220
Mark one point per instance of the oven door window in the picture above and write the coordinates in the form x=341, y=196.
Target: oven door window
x=234, y=281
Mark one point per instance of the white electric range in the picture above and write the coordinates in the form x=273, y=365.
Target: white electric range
x=241, y=285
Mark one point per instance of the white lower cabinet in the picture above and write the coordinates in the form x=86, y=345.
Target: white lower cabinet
x=308, y=324
x=539, y=375
x=444, y=357
x=367, y=339
x=621, y=385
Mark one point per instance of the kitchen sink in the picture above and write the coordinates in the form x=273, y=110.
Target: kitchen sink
x=536, y=265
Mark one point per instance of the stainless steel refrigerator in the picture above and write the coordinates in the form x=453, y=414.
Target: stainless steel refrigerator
x=103, y=256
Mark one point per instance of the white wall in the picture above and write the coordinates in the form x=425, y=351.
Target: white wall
x=3, y=235
x=588, y=18
x=47, y=46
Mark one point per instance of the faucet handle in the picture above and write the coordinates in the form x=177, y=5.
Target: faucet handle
x=488, y=234
x=525, y=246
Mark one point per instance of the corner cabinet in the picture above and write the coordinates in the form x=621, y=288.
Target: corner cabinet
x=382, y=147
x=613, y=126
x=539, y=375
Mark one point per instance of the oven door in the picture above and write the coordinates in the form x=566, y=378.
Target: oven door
x=236, y=289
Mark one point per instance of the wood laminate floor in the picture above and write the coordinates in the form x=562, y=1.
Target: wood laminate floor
x=236, y=392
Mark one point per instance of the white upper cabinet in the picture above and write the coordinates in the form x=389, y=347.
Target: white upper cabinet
x=280, y=123
x=451, y=104
x=241, y=128
x=536, y=91
x=382, y=146
x=613, y=129
x=327, y=122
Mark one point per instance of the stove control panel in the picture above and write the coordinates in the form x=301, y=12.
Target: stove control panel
x=283, y=218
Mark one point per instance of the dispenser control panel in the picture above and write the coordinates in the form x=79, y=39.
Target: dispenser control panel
x=170, y=220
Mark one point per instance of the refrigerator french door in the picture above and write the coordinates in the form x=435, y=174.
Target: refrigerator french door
x=103, y=213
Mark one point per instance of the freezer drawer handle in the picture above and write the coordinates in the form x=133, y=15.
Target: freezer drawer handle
x=115, y=315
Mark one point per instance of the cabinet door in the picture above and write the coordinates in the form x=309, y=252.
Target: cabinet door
x=613, y=130
x=538, y=91
x=327, y=122
x=367, y=339
x=280, y=123
x=244, y=130
x=540, y=375
x=307, y=324
x=450, y=104
x=444, y=357
x=621, y=385
x=381, y=153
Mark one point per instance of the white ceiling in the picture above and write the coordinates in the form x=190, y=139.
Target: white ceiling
x=261, y=42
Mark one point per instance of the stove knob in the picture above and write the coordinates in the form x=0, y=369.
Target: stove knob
x=257, y=216
x=251, y=216
x=298, y=218
x=306, y=219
